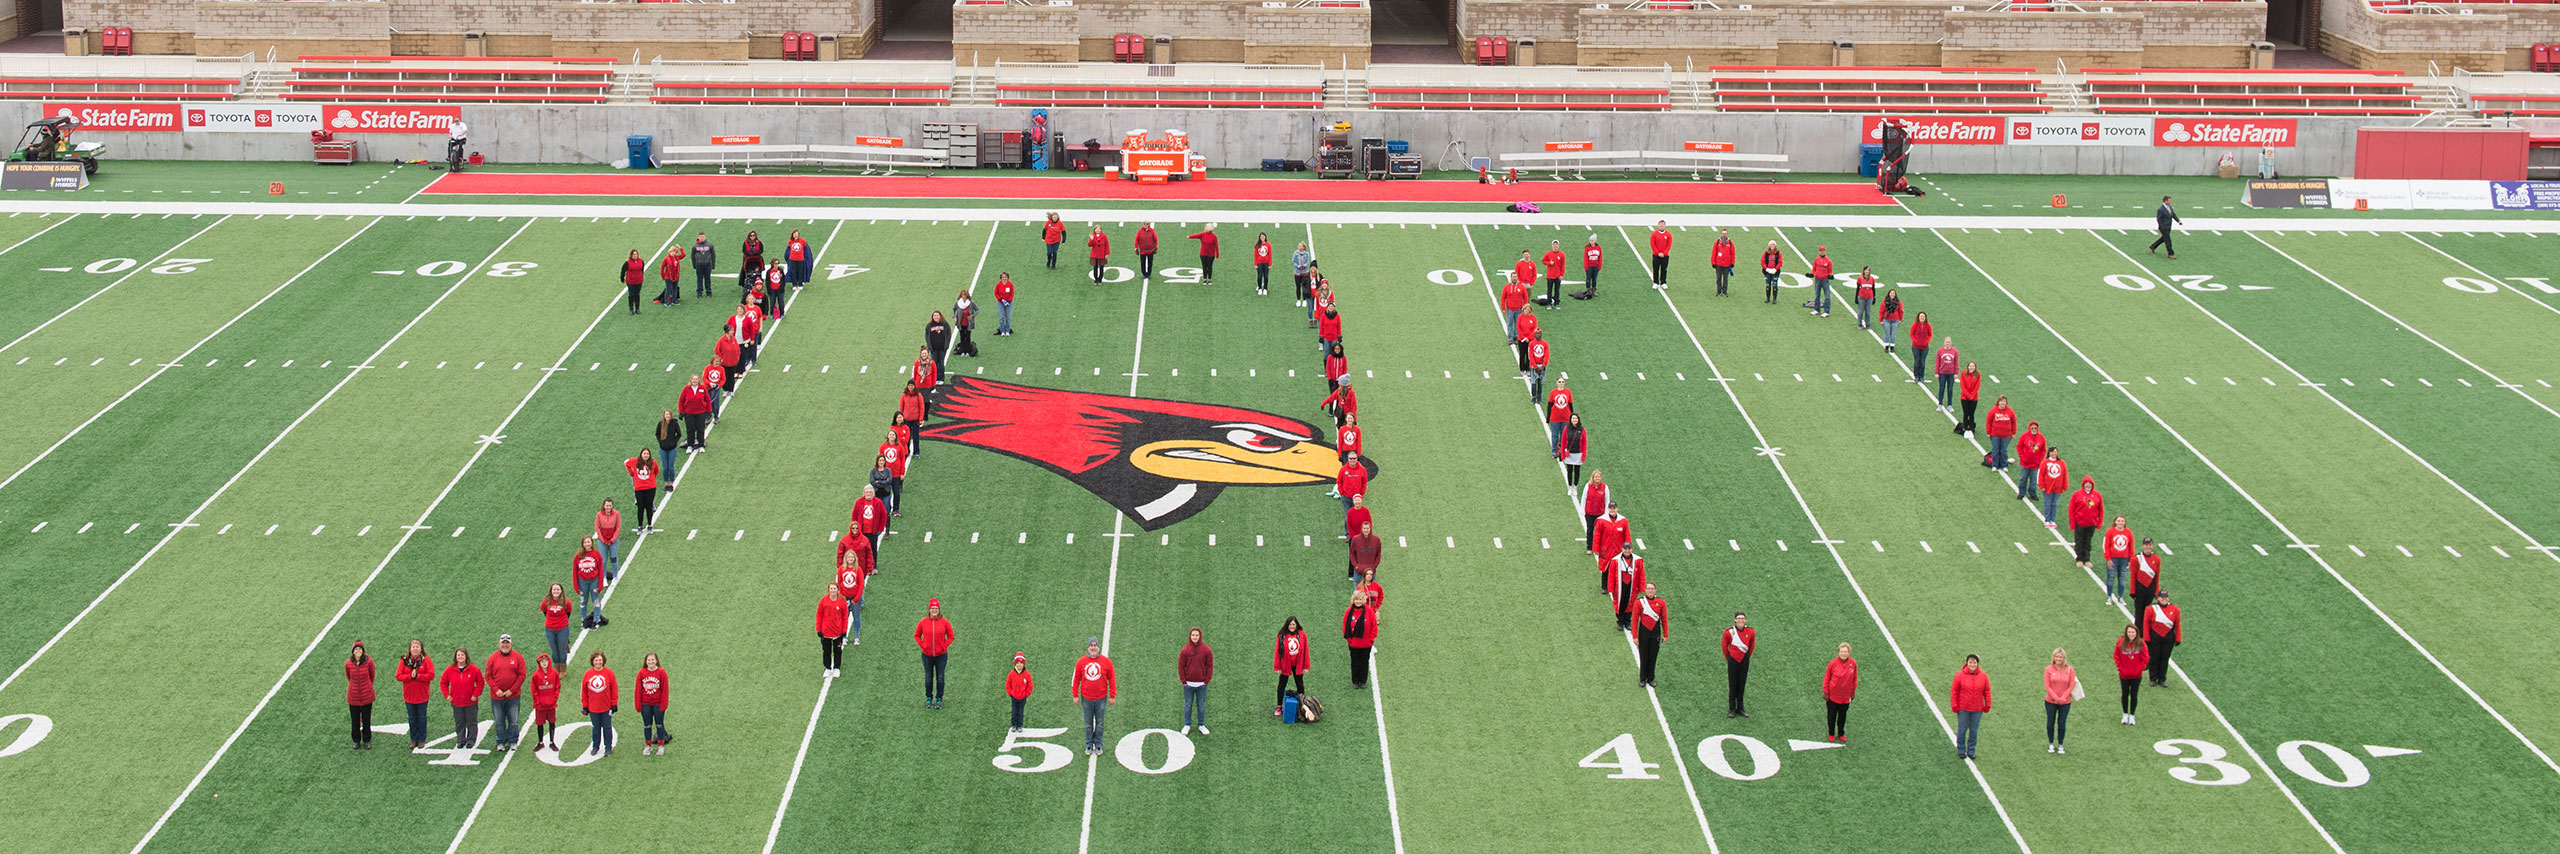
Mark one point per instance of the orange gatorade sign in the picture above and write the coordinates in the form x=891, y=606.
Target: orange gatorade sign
x=737, y=139
x=1584, y=145
x=1706, y=146
x=880, y=141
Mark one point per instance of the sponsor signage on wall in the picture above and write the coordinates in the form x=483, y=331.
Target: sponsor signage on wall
x=2399, y=195
x=737, y=139
x=1584, y=145
x=51, y=175
x=2286, y=193
x=2193, y=132
x=2525, y=195
x=378, y=118
x=880, y=141
x=257, y=118
x=2079, y=130
x=119, y=117
x=2091, y=131
x=1942, y=130
x=1706, y=146
x=252, y=118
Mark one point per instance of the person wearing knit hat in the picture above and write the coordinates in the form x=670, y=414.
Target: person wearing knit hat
x=1017, y=685
x=933, y=638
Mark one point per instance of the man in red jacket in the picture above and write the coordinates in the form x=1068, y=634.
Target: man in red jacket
x=2162, y=630
x=1554, y=262
x=870, y=515
x=1653, y=626
x=1590, y=268
x=1208, y=238
x=1739, y=643
x=1360, y=633
x=1722, y=257
x=1595, y=504
x=1661, y=240
x=694, y=403
x=1094, y=687
x=1610, y=534
x=1098, y=250
x=2088, y=511
x=2002, y=425
x=1537, y=368
x=505, y=674
x=1145, y=242
x=1515, y=296
x=933, y=637
x=1351, y=482
x=1365, y=549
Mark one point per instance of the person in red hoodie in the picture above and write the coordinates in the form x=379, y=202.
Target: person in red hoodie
x=1328, y=328
x=1261, y=265
x=649, y=692
x=586, y=570
x=1365, y=549
x=1570, y=450
x=1969, y=698
x=1343, y=403
x=1194, y=664
x=732, y=361
x=2052, y=479
x=933, y=637
x=2088, y=511
x=1538, y=354
x=505, y=674
x=2116, y=546
x=1004, y=304
x=1559, y=411
x=1864, y=297
x=546, y=701
x=1053, y=233
x=671, y=270
x=2002, y=427
x=600, y=695
x=1098, y=250
x=1590, y=268
x=1017, y=685
x=1721, y=257
x=1920, y=334
x=1526, y=326
x=1595, y=503
x=1291, y=658
x=416, y=673
x=870, y=516
x=1772, y=263
x=1553, y=261
x=1839, y=686
x=1145, y=244
x=1369, y=584
x=1352, y=481
x=462, y=683
x=635, y=269
x=359, y=666
x=1347, y=439
x=2163, y=629
x=1094, y=687
x=1821, y=276
x=1653, y=626
x=2131, y=659
x=1968, y=395
x=1515, y=297
x=1360, y=633
x=833, y=616
x=1662, y=256
x=1740, y=642
x=2030, y=461
x=1208, y=238
x=694, y=403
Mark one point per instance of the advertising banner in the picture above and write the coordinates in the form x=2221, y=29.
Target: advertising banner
x=2286, y=193
x=2079, y=130
x=252, y=118
x=2525, y=195
x=2397, y=195
x=118, y=117
x=1942, y=130
x=53, y=175
x=377, y=118
x=2250, y=132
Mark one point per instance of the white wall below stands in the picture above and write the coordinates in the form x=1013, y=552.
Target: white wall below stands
x=1230, y=138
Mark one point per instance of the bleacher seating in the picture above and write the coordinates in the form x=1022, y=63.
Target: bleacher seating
x=452, y=79
x=118, y=88
x=1823, y=89
x=1512, y=98
x=787, y=93
x=1137, y=94
x=2498, y=105
x=2241, y=92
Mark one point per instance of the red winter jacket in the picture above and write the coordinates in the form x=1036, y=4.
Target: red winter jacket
x=1610, y=535
x=1662, y=243
x=1360, y=626
x=669, y=266
x=462, y=685
x=1721, y=256
x=2088, y=508
x=1098, y=246
x=1209, y=244
x=1329, y=326
x=1145, y=241
x=360, y=682
x=1289, y=654
x=1840, y=680
x=725, y=350
x=1971, y=692
x=834, y=615
x=546, y=688
x=416, y=683
x=2130, y=663
x=933, y=635
x=1017, y=684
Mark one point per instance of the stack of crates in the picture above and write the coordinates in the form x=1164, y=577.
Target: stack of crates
x=958, y=138
x=1000, y=148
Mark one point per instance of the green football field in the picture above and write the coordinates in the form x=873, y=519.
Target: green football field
x=240, y=439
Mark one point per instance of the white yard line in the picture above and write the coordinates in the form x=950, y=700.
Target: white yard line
x=411, y=530
x=638, y=541
x=182, y=357
x=1679, y=758
x=1831, y=545
x=39, y=233
x=136, y=271
x=2484, y=275
x=792, y=783
x=1111, y=590
x=190, y=521
x=2501, y=381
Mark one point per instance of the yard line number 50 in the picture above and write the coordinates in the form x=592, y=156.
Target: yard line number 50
x=1046, y=756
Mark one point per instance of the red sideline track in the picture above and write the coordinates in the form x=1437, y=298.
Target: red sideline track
x=1221, y=189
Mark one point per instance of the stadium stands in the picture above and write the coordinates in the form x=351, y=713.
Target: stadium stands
x=2235, y=92
x=1518, y=88
x=784, y=83
x=452, y=79
x=1834, y=89
x=1123, y=85
x=151, y=78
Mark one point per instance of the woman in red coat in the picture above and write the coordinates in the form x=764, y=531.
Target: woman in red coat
x=546, y=701
x=1969, y=394
x=2131, y=658
x=1291, y=658
x=634, y=270
x=1970, y=698
x=834, y=614
x=1145, y=244
x=1053, y=233
x=1098, y=249
x=600, y=694
x=1839, y=686
x=416, y=674
x=360, y=697
x=670, y=269
x=1360, y=633
x=2088, y=511
x=1920, y=335
x=462, y=684
x=1570, y=448
x=649, y=692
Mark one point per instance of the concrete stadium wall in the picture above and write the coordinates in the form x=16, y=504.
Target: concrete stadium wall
x=1202, y=31
x=1229, y=138
x=514, y=27
x=1884, y=32
x=2492, y=39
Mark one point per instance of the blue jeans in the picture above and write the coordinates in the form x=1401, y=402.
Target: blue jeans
x=1195, y=705
x=587, y=600
x=666, y=459
x=1919, y=360
x=1889, y=326
x=612, y=558
x=559, y=639
x=2026, y=481
x=1866, y=308
x=502, y=713
x=1538, y=385
x=417, y=723
x=1510, y=325
x=1946, y=389
x=1017, y=713
x=853, y=609
x=1555, y=433
x=1092, y=723
x=601, y=732
x=1053, y=254
x=1822, y=296
x=653, y=724
x=2051, y=500
x=714, y=394
x=2116, y=569
x=2057, y=722
x=1968, y=731
x=2000, y=452
x=1004, y=317
x=934, y=667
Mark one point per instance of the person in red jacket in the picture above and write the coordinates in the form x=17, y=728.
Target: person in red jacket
x=670, y=270
x=1821, y=276
x=1739, y=643
x=1947, y=362
x=1365, y=550
x=1590, y=268
x=2030, y=461
x=599, y=695
x=649, y=692
x=798, y=260
x=416, y=673
x=1559, y=410
x=933, y=637
x=1053, y=233
x=1336, y=366
x=634, y=270
x=894, y=452
x=854, y=565
x=1208, y=238
x=1355, y=517
x=1721, y=257
x=1890, y=315
x=1627, y=583
x=1328, y=328
x=586, y=570
x=1772, y=263
x=1968, y=395
x=2052, y=479
x=1369, y=584
x=1839, y=686
x=694, y=403
x=2003, y=427
x=732, y=360
x=870, y=516
x=1093, y=686
x=1515, y=297
x=914, y=407
x=1145, y=244
x=505, y=674
x=1360, y=633
x=1352, y=481
x=1526, y=326
x=1554, y=263
x=556, y=609
x=1920, y=334
x=1538, y=356
x=462, y=683
x=2146, y=577
x=359, y=666
x=1864, y=297
x=1969, y=698
x=1570, y=450
x=1661, y=244
x=1348, y=437
x=1291, y=658
x=1098, y=250
x=2116, y=546
x=2163, y=629
x=1653, y=626
x=1017, y=685
x=2088, y=511
x=1343, y=404
x=925, y=374
x=644, y=488
x=1004, y=304
x=1194, y=664
x=2131, y=659
x=546, y=701
x=833, y=616
x=1261, y=265
x=1595, y=503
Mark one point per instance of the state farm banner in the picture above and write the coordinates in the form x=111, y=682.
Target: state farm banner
x=2194, y=132
x=95, y=117
x=253, y=118
x=377, y=118
x=2079, y=130
x=1941, y=130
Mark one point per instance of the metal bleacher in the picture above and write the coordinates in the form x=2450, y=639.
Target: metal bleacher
x=122, y=78
x=451, y=79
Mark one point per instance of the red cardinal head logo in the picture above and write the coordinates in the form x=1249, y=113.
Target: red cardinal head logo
x=1157, y=461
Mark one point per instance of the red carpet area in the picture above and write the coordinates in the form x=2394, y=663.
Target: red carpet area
x=1097, y=188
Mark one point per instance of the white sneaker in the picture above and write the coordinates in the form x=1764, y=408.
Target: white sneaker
x=1204, y=729
x=1186, y=729
x=2129, y=720
x=856, y=642
x=2056, y=748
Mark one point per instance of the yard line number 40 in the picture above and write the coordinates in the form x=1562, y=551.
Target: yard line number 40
x=2203, y=763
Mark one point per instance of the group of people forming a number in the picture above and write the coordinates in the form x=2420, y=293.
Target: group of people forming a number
x=760, y=282
x=505, y=676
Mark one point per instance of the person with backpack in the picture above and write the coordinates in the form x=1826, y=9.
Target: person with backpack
x=2131, y=659
x=1291, y=658
x=1017, y=686
x=1970, y=699
x=1095, y=688
x=1839, y=686
x=933, y=638
x=1360, y=633
x=1194, y=665
x=1772, y=263
x=1722, y=257
x=2002, y=426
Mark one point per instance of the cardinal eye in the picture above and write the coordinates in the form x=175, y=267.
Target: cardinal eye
x=1252, y=441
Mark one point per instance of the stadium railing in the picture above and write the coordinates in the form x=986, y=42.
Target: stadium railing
x=1519, y=88
x=781, y=83
x=2243, y=92
x=452, y=79
x=1848, y=89
x=123, y=78
x=1045, y=84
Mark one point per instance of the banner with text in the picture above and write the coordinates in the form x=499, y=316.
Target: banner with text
x=2525, y=195
x=118, y=117
x=2197, y=132
x=253, y=118
x=2079, y=130
x=1941, y=130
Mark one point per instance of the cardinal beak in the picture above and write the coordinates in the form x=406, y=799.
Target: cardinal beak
x=1206, y=461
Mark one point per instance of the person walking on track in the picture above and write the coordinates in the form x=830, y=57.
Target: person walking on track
x=1291, y=658
x=1194, y=664
x=2131, y=659
x=1839, y=686
x=1653, y=626
x=1095, y=688
x=1739, y=642
x=359, y=667
x=1970, y=699
x=2167, y=216
x=933, y=638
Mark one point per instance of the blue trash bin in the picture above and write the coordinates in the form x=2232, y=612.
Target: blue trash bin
x=643, y=155
x=1869, y=155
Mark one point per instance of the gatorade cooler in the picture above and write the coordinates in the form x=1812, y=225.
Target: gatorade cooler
x=1176, y=140
x=1134, y=140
